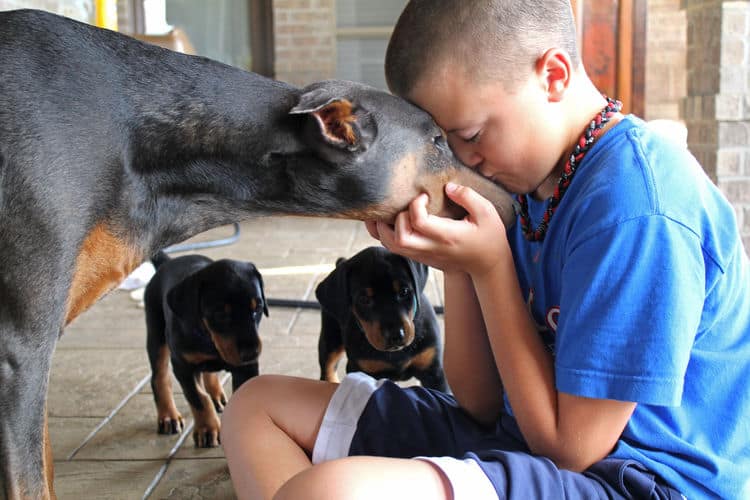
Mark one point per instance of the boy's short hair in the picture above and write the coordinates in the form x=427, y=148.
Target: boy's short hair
x=488, y=39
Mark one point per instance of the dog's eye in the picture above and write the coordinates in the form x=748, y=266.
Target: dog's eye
x=365, y=301
x=440, y=141
x=404, y=293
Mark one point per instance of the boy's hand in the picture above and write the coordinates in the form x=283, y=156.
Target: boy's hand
x=474, y=244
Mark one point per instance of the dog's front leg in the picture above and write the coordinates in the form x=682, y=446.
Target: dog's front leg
x=207, y=424
x=26, y=470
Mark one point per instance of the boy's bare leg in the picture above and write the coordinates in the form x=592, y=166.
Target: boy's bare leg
x=368, y=478
x=268, y=431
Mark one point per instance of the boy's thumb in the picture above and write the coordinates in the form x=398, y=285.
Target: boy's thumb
x=457, y=192
x=466, y=197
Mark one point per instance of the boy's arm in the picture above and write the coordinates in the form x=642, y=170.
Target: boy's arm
x=467, y=357
x=571, y=430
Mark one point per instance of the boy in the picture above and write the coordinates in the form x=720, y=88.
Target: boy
x=598, y=349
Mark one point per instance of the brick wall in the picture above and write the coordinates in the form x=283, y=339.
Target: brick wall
x=83, y=10
x=717, y=106
x=305, y=40
x=665, y=60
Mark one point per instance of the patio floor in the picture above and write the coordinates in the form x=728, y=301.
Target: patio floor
x=102, y=417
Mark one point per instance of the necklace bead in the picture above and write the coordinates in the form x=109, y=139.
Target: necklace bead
x=583, y=145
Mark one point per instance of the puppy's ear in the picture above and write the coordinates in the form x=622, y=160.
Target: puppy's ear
x=419, y=273
x=333, y=291
x=257, y=275
x=337, y=122
x=183, y=300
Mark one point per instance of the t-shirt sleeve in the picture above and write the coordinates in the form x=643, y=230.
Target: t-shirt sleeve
x=631, y=302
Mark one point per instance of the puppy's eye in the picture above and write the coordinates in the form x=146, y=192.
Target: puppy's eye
x=365, y=301
x=404, y=293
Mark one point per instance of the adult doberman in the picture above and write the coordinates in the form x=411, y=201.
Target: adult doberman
x=111, y=149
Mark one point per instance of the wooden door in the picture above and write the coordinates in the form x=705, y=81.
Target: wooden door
x=612, y=38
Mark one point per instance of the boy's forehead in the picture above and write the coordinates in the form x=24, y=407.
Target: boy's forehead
x=448, y=96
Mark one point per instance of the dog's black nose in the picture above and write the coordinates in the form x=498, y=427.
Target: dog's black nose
x=395, y=338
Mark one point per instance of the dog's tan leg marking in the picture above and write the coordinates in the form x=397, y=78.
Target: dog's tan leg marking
x=166, y=409
x=213, y=387
x=48, y=463
x=46, y=490
x=329, y=371
x=424, y=359
x=374, y=365
x=103, y=262
x=207, y=423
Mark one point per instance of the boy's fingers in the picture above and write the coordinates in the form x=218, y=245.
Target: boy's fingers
x=422, y=221
x=372, y=228
x=467, y=198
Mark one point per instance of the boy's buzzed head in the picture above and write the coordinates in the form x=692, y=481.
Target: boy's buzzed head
x=489, y=40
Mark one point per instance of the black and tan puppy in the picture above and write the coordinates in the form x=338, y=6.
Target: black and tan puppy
x=203, y=316
x=373, y=307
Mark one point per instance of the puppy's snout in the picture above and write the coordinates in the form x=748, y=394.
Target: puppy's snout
x=249, y=351
x=395, y=339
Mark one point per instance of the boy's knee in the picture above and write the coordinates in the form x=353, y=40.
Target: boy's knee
x=252, y=396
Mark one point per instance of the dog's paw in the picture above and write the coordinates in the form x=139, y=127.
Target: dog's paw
x=171, y=424
x=206, y=436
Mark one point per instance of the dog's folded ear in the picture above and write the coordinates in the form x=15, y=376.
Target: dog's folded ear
x=419, y=273
x=338, y=123
x=333, y=292
x=256, y=274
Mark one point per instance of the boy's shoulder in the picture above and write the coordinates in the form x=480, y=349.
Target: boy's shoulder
x=635, y=171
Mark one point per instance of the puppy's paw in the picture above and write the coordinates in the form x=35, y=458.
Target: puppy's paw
x=170, y=424
x=206, y=436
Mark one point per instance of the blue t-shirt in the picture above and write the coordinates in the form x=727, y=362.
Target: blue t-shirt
x=641, y=289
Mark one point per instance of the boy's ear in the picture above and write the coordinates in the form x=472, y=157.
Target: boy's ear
x=555, y=68
x=337, y=122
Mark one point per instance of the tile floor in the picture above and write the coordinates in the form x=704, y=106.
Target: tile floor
x=102, y=418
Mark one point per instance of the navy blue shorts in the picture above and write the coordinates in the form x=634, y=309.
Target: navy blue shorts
x=377, y=417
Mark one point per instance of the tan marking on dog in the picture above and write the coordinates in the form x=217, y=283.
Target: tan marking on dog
x=374, y=365
x=45, y=490
x=411, y=176
x=213, y=387
x=103, y=262
x=373, y=333
x=253, y=304
x=329, y=370
x=196, y=358
x=424, y=359
x=161, y=376
x=227, y=347
x=206, y=420
x=48, y=464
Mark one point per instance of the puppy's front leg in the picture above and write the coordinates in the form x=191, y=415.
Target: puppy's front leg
x=207, y=424
x=213, y=387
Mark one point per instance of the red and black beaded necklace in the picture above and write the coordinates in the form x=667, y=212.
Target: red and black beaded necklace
x=582, y=147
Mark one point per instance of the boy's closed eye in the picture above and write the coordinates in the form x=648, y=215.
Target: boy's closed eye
x=471, y=136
